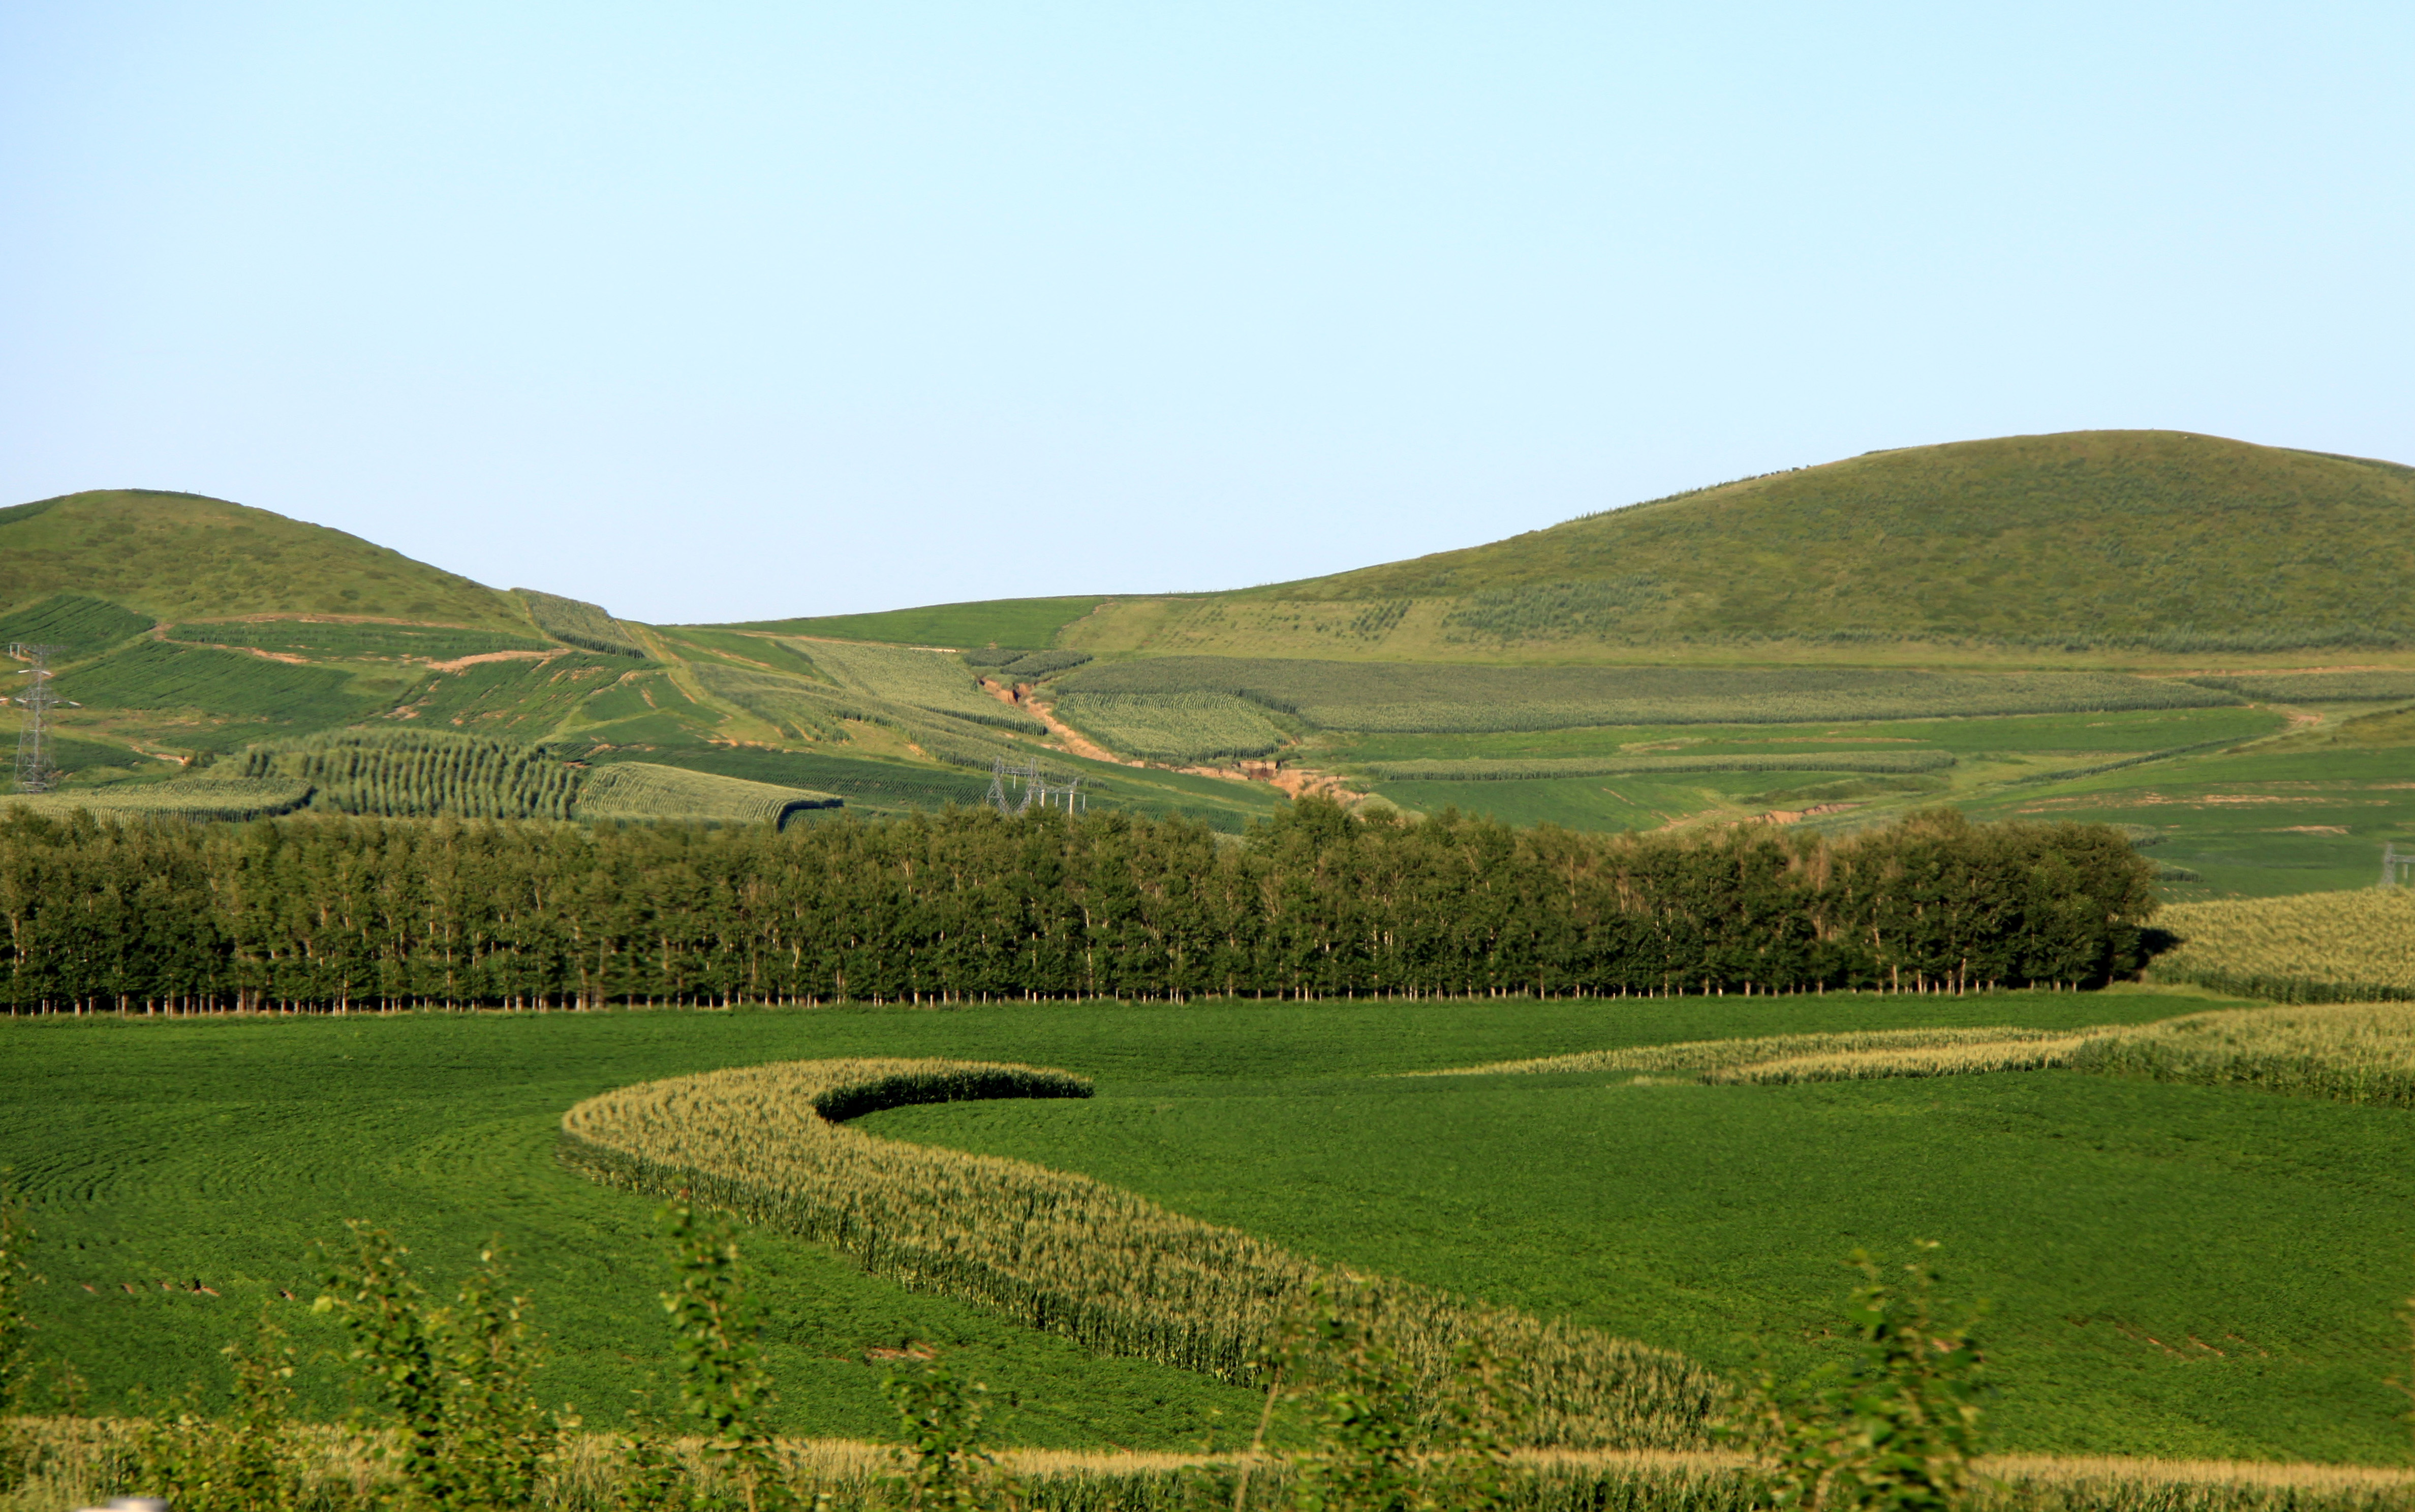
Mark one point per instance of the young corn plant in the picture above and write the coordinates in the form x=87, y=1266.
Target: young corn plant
x=723, y=1387
x=1895, y=1427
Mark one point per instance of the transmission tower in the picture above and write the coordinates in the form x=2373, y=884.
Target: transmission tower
x=1037, y=790
x=34, y=773
x=2397, y=866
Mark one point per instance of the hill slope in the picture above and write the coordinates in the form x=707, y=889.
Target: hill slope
x=183, y=556
x=2143, y=540
x=2088, y=535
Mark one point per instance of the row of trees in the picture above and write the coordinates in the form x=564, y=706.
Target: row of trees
x=350, y=913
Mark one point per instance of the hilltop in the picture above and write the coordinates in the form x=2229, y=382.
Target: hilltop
x=181, y=554
x=2107, y=545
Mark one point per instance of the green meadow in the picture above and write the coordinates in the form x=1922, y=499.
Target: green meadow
x=2172, y=1270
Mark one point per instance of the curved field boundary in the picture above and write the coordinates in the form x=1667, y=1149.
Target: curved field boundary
x=1074, y=1256
x=1850, y=1056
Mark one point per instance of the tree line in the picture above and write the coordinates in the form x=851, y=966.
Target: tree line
x=965, y=905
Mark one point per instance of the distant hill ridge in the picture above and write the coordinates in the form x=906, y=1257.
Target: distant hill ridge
x=2096, y=537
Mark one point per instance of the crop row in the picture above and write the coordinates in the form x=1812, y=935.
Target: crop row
x=2314, y=947
x=210, y=797
x=642, y=791
x=341, y=640
x=77, y=624
x=972, y=904
x=409, y=772
x=933, y=681
x=2317, y=687
x=577, y=623
x=1072, y=1255
x=1488, y=769
x=153, y=674
x=1398, y=697
x=1173, y=726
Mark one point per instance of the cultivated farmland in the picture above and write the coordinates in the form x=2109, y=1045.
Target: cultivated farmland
x=421, y=773
x=1177, y=726
x=1683, y=1214
x=77, y=624
x=645, y=792
x=2312, y=947
x=155, y=675
x=335, y=640
x=930, y=680
x=1381, y=697
x=1063, y=1253
x=577, y=623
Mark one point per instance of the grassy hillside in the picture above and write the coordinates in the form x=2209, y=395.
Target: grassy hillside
x=1010, y=621
x=2150, y=538
x=182, y=556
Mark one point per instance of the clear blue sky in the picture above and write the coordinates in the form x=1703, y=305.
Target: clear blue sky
x=726, y=310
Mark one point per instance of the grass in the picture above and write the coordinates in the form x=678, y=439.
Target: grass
x=156, y=675
x=1684, y=1215
x=1494, y=769
x=577, y=623
x=339, y=640
x=1014, y=621
x=2107, y=538
x=642, y=791
x=180, y=556
x=1409, y=698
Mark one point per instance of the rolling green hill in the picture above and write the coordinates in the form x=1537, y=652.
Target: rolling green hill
x=2126, y=542
x=182, y=556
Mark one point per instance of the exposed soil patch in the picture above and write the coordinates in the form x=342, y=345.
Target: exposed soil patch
x=460, y=663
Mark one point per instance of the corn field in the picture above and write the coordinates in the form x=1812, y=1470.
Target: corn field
x=2314, y=947
x=1788, y=1057
x=2350, y=1052
x=207, y=796
x=1063, y=1252
x=1173, y=726
x=643, y=791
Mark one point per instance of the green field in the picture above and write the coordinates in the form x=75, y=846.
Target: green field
x=1410, y=698
x=333, y=640
x=2174, y=1269
x=1030, y=622
x=180, y=556
x=156, y=675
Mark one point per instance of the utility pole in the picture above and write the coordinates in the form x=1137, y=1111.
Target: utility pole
x=34, y=773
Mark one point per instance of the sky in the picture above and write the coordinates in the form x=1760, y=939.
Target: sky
x=726, y=311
